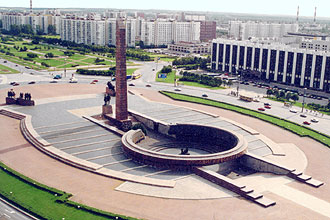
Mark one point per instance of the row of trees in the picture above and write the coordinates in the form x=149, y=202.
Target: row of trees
x=202, y=79
x=166, y=69
x=110, y=72
x=281, y=94
x=201, y=62
x=27, y=29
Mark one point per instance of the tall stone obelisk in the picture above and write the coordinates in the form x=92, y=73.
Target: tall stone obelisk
x=121, y=80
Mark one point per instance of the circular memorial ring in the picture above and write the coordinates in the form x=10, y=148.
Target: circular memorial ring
x=131, y=139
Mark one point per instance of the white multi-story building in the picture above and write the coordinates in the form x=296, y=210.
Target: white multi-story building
x=37, y=21
x=100, y=31
x=273, y=62
x=245, y=30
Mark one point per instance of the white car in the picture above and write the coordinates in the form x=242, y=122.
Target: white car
x=73, y=80
x=293, y=110
x=314, y=120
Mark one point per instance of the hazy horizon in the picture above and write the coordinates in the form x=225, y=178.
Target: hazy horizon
x=279, y=7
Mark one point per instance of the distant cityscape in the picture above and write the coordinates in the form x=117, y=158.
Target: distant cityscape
x=290, y=52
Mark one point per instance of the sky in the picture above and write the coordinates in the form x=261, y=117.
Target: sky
x=277, y=7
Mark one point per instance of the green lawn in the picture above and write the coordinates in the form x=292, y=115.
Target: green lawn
x=196, y=84
x=298, y=104
x=168, y=79
x=130, y=71
x=7, y=70
x=291, y=126
x=45, y=202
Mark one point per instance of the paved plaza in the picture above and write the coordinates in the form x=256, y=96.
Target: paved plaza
x=57, y=119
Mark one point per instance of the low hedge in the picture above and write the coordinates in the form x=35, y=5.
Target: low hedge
x=66, y=206
x=283, y=123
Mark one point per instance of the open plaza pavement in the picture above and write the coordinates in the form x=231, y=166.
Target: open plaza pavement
x=294, y=200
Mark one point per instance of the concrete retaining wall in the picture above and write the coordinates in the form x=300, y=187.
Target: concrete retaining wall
x=264, y=165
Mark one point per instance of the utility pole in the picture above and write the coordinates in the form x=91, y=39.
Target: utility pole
x=303, y=104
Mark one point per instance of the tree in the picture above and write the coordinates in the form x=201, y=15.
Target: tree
x=51, y=29
x=282, y=94
x=32, y=55
x=295, y=97
x=49, y=55
x=276, y=93
x=14, y=29
x=39, y=30
x=166, y=69
x=288, y=96
x=27, y=29
x=269, y=92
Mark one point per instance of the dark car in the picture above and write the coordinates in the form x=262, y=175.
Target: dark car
x=268, y=106
x=205, y=95
x=32, y=82
x=261, y=109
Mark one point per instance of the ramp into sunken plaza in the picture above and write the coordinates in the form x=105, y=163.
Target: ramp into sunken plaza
x=224, y=155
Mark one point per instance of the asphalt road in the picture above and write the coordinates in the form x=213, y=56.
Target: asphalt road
x=7, y=212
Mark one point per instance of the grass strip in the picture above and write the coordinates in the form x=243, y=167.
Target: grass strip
x=298, y=129
x=45, y=202
x=7, y=70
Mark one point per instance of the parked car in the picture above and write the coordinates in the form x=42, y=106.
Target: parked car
x=177, y=89
x=131, y=84
x=16, y=84
x=205, y=95
x=57, y=77
x=261, y=109
x=5, y=61
x=148, y=85
x=268, y=106
x=94, y=81
x=306, y=123
x=12, y=83
x=293, y=110
x=303, y=115
x=314, y=120
x=32, y=82
x=53, y=81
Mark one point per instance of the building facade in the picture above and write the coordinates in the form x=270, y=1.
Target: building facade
x=244, y=30
x=273, y=63
x=184, y=47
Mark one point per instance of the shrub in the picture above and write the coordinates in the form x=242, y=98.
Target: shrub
x=32, y=55
x=45, y=64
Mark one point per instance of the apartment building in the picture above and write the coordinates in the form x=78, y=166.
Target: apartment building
x=244, y=30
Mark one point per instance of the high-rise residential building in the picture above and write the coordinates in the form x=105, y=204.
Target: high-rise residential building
x=244, y=30
x=94, y=29
x=37, y=21
x=273, y=62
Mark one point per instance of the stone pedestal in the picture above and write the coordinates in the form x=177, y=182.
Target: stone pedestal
x=10, y=101
x=25, y=102
x=19, y=101
x=106, y=109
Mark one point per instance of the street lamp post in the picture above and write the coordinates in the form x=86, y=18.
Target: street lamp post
x=303, y=104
